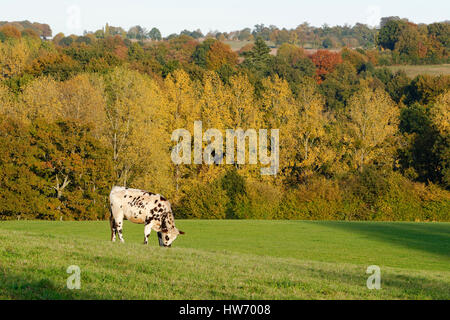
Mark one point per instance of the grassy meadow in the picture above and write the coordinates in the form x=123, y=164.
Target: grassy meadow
x=227, y=259
x=414, y=70
x=237, y=45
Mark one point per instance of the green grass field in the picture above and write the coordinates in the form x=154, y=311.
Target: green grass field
x=414, y=70
x=227, y=259
x=237, y=45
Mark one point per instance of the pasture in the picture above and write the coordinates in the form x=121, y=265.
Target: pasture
x=237, y=45
x=414, y=70
x=226, y=259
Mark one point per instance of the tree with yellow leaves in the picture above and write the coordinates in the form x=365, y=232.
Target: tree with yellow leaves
x=220, y=54
x=212, y=98
x=280, y=112
x=440, y=117
x=373, y=121
x=440, y=114
x=14, y=55
x=241, y=104
x=7, y=105
x=132, y=122
x=83, y=100
x=181, y=109
x=216, y=118
x=244, y=113
x=41, y=98
x=311, y=128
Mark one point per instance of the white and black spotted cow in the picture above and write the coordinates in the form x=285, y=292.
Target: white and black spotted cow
x=143, y=207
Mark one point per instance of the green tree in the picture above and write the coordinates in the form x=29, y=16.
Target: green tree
x=258, y=58
x=390, y=33
x=201, y=51
x=28, y=193
x=417, y=158
x=339, y=86
x=327, y=43
x=154, y=34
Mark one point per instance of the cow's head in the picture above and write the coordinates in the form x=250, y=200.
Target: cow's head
x=168, y=236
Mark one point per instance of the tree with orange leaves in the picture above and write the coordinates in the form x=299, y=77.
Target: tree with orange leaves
x=10, y=31
x=325, y=61
x=220, y=54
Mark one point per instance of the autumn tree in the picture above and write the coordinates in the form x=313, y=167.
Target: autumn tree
x=290, y=53
x=37, y=105
x=426, y=88
x=10, y=31
x=54, y=64
x=83, y=100
x=292, y=64
x=279, y=112
x=28, y=193
x=219, y=55
x=372, y=124
x=75, y=164
x=312, y=151
x=241, y=103
x=441, y=32
x=13, y=58
x=7, y=103
x=201, y=51
x=181, y=109
x=132, y=110
x=325, y=62
x=440, y=117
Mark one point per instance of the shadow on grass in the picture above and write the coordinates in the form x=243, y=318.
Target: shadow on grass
x=17, y=287
x=393, y=285
x=430, y=237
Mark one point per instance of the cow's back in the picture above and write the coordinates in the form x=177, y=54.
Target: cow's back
x=134, y=204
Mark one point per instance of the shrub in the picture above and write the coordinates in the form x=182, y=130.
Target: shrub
x=261, y=202
x=234, y=186
x=412, y=201
x=206, y=201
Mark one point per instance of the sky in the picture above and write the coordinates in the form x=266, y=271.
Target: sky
x=170, y=16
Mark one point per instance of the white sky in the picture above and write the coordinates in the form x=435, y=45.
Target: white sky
x=170, y=16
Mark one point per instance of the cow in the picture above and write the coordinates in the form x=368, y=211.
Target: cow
x=142, y=207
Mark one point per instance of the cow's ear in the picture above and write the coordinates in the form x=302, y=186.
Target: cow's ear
x=181, y=232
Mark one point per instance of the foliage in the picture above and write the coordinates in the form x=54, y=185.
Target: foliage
x=82, y=113
x=325, y=62
x=415, y=44
x=206, y=201
x=372, y=128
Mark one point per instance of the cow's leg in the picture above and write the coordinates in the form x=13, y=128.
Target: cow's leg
x=119, y=226
x=112, y=223
x=160, y=240
x=147, y=231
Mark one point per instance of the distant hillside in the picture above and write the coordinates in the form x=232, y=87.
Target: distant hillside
x=41, y=29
